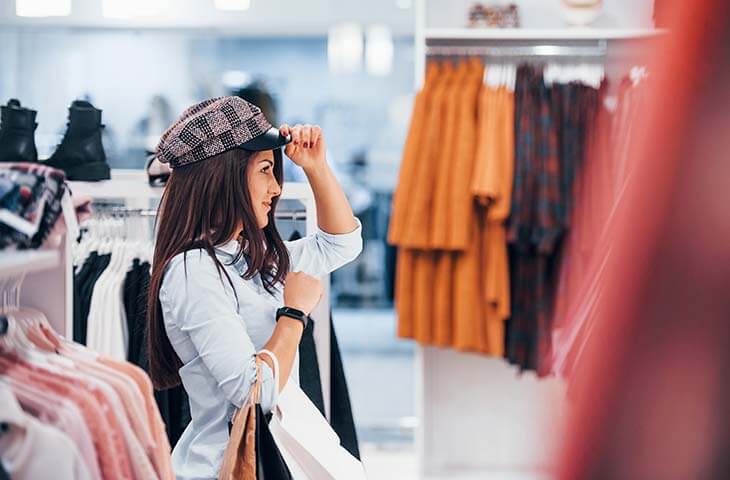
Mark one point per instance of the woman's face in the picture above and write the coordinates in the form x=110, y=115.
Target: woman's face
x=262, y=184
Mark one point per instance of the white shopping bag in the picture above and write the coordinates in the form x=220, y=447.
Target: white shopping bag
x=307, y=442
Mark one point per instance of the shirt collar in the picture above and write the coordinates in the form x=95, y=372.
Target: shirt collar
x=228, y=251
x=229, y=248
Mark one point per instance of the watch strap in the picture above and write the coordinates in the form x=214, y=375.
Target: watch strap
x=292, y=313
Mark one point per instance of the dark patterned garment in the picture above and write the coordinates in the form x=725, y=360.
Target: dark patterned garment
x=551, y=123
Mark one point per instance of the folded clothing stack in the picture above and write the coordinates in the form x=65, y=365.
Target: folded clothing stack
x=30, y=203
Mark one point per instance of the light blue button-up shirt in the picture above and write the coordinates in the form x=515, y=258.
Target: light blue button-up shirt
x=217, y=335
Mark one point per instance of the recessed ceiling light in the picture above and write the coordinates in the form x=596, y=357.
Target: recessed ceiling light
x=124, y=9
x=379, y=50
x=345, y=48
x=42, y=8
x=233, y=5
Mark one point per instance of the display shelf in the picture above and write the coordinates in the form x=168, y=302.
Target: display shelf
x=132, y=184
x=541, y=33
x=16, y=263
x=124, y=184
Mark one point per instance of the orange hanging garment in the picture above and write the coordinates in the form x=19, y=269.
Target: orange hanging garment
x=469, y=322
x=443, y=299
x=446, y=154
x=461, y=204
x=442, y=314
x=412, y=153
x=424, y=271
x=419, y=210
x=493, y=187
x=457, y=205
x=404, y=292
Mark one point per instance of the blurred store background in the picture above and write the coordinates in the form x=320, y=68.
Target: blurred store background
x=347, y=66
x=353, y=67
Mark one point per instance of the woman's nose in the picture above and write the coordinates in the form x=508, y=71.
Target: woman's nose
x=275, y=188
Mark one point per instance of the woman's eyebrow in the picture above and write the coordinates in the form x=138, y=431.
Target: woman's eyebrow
x=267, y=160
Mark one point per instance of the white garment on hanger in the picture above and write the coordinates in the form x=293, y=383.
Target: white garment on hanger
x=107, y=330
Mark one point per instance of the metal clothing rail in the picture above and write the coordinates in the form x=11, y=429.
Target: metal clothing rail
x=598, y=50
x=151, y=212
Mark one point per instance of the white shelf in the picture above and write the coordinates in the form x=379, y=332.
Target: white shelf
x=541, y=34
x=16, y=263
x=132, y=184
x=125, y=184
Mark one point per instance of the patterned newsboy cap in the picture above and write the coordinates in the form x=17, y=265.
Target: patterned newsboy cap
x=209, y=128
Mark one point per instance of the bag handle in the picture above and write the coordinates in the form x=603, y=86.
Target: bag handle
x=275, y=362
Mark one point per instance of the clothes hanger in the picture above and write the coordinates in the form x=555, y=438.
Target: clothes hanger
x=27, y=319
x=83, y=249
x=16, y=343
x=20, y=324
x=92, y=238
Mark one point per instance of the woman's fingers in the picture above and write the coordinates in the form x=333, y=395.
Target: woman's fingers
x=289, y=149
x=296, y=135
x=306, y=136
x=316, y=135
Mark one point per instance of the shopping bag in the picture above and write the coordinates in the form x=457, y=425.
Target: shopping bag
x=251, y=453
x=239, y=459
x=307, y=442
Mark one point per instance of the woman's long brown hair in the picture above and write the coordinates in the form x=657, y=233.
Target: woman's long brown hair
x=204, y=204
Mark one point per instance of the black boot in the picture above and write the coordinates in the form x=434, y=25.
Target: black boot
x=81, y=153
x=17, y=133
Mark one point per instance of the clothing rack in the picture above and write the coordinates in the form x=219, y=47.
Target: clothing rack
x=115, y=211
x=485, y=385
x=598, y=50
x=125, y=212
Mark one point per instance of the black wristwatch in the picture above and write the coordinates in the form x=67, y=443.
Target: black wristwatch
x=293, y=313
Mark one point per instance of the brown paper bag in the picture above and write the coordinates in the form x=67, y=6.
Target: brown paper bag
x=239, y=460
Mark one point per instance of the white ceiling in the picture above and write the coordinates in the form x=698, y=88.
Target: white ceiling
x=264, y=18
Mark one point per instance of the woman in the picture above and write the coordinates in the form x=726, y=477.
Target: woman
x=221, y=271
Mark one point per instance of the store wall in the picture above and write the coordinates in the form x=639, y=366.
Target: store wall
x=262, y=18
x=121, y=70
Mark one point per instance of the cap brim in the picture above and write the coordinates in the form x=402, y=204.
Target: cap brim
x=268, y=141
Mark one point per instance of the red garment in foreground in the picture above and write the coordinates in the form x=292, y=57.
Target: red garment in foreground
x=652, y=390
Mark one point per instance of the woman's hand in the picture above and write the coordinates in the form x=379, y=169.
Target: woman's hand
x=302, y=291
x=307, y=148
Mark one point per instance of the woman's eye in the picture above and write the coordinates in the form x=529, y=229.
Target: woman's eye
x=265, y=169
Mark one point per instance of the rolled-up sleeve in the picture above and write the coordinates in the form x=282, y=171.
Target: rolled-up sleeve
x=203, y=309
x=322, y=253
